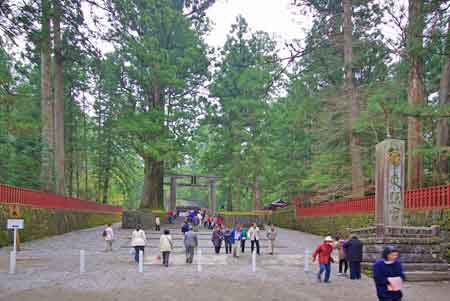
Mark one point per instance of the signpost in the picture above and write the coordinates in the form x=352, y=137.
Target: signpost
x=15, y=224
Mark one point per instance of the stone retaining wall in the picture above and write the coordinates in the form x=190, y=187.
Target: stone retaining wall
x=41, y=223
x=232, y=218
x=340, y=224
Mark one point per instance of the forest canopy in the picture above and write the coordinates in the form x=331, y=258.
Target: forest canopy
x=104, y=100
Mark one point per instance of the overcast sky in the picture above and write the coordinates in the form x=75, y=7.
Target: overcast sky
x=273, y=16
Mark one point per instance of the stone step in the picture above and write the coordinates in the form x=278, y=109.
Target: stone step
x=223, y=259
x=420, y=276
x=407, y=258
x=206, y=246
x=423, y=267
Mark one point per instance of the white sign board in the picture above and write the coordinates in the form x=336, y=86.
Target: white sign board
x=15, y=224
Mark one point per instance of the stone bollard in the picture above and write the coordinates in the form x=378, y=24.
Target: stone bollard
x=12, y=262
x=82, y=262
x=254, y=261
x=306, y=266
x=141, y=261
x=199, y=260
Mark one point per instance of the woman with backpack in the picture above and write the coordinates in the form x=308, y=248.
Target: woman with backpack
x=217, y=237
x=138, y=241
x=166, y=246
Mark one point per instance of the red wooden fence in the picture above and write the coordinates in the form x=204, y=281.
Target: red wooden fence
x=39, y=199
x=423, y=198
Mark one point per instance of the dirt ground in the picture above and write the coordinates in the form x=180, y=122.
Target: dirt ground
x=49, y=270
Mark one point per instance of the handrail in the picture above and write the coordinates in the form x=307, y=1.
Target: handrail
x=40, y=199
x=418, y=199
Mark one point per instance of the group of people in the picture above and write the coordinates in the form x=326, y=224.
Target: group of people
x=387, y=272
x=235, y=239
x=349, y=254
x=139, y=241
x=198, y=218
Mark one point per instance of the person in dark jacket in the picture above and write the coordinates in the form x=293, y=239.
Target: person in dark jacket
x=185, y=227
x=385, y=272
x=217, y=237
x=190, y=243
x=353, y=249
x=228, y=240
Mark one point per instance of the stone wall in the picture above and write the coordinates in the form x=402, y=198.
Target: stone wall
x=323, y=225
x=340, y=224
x=40, y=223
x=246, y=218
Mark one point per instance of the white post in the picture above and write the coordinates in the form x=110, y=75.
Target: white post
x=199, y=260
x=82, y=262
x=15, y=239
x=141, y=261
x=306, y=267
x=254, y=261
x=12, y=262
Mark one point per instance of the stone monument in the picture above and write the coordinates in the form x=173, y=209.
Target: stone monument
x=420, y=247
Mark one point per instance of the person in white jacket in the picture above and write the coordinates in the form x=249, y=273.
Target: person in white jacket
x=138, y=241
x=157, y=224
x=166, y=246
x=253, y=234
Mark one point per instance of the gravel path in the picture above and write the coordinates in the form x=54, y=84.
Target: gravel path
x=48, y=269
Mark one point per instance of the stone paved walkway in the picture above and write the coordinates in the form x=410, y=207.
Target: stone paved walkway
x=48, y=269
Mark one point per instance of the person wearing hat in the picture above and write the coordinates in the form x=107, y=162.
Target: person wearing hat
x=323, y=251
x=388, y=275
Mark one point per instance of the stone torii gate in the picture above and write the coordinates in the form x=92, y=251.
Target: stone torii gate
x=211, y=185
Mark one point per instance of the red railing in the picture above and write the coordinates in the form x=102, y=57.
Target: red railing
x=38, y=199
x=417, y=199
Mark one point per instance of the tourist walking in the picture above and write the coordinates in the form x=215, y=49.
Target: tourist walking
x=170, y=217
x=244, y=236
x=388, y=275
x=235, y=240
x=138, y=241
x=206, y=221
x=166, y=246
x=353, y=253
x=190, y=243
x=157, y=224
x=211, y=223
x=200, y=219
x=195, y=222
x=271, y=236
x=227, y=239
x=185, y=227
x=108, y=234
x=323, y=251
x=343, y=264
x=253, y=233
x=217, y=237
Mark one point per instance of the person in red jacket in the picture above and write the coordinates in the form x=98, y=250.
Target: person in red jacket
x=324, y=251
